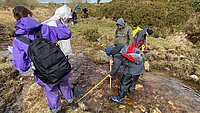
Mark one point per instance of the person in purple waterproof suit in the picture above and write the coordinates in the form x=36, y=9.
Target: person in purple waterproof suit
x=25, y=26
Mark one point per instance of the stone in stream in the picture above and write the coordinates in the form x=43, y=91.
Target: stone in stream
x=146, y=65
x=79, y=91
x=27, y=73
x=195, y=77
x=7, y=55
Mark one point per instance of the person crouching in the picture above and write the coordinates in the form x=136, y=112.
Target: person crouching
x=133, y=68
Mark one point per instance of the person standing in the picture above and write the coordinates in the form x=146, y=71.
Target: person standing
x=85, y=12
x=123, y=34
x=140, y=38
x=64, y=13
x=78, y=8
x=26, y=26
x=74, y=18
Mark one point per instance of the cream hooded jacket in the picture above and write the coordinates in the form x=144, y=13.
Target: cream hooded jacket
x=62, y=12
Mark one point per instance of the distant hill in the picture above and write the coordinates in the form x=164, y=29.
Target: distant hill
x=163, y=16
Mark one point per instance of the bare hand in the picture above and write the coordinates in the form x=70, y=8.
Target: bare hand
x=109, y=76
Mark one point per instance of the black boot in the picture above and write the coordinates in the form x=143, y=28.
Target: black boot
x=131, y=90
x=73, y=105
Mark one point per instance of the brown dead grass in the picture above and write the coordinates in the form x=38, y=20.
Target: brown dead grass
x=34, y=100
x=39, y=13
x=7, y=18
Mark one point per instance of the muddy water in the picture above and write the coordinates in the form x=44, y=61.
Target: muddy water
x=159, y=91
x=171, y=94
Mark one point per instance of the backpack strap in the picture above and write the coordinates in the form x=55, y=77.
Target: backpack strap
x=24, y=39
x=28, y=41
x=38, y=32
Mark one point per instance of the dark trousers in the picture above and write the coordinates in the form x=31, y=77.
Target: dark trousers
x=127, y=84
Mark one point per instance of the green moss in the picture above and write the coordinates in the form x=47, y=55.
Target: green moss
x=196, y=5
x=91, y=34
x=160, y=42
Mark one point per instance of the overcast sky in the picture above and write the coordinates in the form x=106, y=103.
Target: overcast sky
x=61, y=1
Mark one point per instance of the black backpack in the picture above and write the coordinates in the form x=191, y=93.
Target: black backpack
x=50, y=62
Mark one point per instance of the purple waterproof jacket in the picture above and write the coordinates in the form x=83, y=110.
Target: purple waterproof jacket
x=25, y=26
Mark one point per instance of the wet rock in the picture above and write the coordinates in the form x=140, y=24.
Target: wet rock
x=7, y=110
x=156, y=110
x=82, y=106
x=80, y=55
x=101, y=57
x=2, y=56
x=194, y=77
x=103, y=72
x=96, y=104
x=168, y=69
x=2, y=30
x=181, y=57
x=141, y=107
x=146, y=65
x=6, y=55
x=1, y=110
x=79, y=91
x=94, y=80
x=27, y=73
x=139, y=87
x=122, y=106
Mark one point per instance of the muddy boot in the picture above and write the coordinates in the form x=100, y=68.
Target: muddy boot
x=115, y=99
x=58, y=110
x=61, y=111
x=131, y=91
x=73, y=105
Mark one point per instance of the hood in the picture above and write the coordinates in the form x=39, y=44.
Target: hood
x=25, y=25
x=121, y=22
x=113, y=50
x=61, y=12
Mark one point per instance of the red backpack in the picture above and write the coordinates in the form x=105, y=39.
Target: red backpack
x=130, y=49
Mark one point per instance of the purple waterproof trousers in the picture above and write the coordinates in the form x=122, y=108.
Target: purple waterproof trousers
x=52, y=91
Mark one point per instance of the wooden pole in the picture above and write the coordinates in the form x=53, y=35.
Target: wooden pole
x=111, y=62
